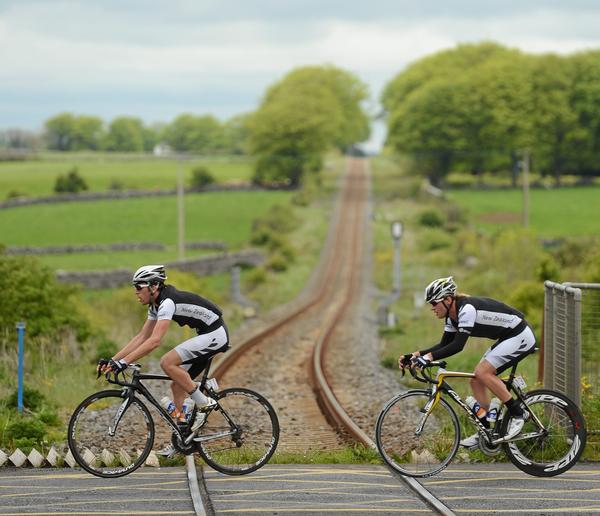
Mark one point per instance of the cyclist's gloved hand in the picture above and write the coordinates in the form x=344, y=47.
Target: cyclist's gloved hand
x=117, y=366
x=421, y=361
x=405, y=360
x=102, y=363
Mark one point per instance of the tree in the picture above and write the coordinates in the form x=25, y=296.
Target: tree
x=34, y=295
x=348, y=91
x=191, y=133
x=289, y=135
x=585, y=100
x=125, y=134
x=310, y=110
x=67, y=132
x=236, y=133
x=59, y=131
x=554, y=120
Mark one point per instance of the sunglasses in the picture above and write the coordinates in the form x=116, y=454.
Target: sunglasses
x=434, y=303
x=140, y=286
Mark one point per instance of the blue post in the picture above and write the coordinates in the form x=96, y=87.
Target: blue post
x=21, y=332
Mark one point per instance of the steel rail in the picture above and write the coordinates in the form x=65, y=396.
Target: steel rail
x=332, y=408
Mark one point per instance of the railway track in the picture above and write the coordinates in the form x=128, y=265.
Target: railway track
x=311, y=363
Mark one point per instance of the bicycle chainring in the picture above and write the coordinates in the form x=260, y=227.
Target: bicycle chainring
x=180, y=446
x=487, y=448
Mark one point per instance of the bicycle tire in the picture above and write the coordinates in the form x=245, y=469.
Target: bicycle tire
x=558, y=450
x=104, y=455
x=247, y=439
x=417, y=456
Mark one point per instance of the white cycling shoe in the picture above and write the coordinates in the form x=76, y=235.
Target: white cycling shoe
x=471, y=441
x=516, y=425
x=201, y=414
x=168, y=451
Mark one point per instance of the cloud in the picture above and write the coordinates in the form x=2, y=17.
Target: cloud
x=153, y=58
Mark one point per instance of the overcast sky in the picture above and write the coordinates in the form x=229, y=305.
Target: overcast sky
x=158, y=59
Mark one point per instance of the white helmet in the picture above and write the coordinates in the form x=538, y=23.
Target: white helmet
x=150, y=274
x=440, y=289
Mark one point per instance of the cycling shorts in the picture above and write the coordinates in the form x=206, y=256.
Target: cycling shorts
x=504, y=353
x=195, y=352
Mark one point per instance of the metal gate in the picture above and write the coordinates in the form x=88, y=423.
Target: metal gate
x=572, y=345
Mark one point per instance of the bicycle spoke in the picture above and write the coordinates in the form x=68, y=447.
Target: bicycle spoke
x=555, y=447
x=110, y=437
x=414, y=444
x=241, y=435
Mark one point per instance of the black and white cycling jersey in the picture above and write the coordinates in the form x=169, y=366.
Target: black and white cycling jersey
x=186, y=309
x=485, y=317
x=481, y=317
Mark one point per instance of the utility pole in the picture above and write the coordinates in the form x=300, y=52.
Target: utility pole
x=525, y=163
x=180, y=212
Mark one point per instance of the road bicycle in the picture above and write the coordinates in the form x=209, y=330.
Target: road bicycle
x=418, y=432
x=111, y=433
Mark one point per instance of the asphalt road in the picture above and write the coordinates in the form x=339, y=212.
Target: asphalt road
x=301, y=490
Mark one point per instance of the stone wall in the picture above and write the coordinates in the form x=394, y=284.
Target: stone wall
x=204, y=266
x=126, y=194
x=101, y=248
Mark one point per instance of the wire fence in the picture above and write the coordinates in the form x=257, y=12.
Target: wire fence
x=572, y=346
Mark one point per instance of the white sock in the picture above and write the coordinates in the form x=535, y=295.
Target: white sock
x=199, y=398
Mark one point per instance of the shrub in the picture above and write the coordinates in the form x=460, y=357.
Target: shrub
x=434, y=239
x=255, y=277
x=33, y=399
x=528, y=297
x=71, y=183
x=14, y=194
x=35, y=296
x=201, y=177
x=116, y=185
x=389, y=362
x=278, y=244
x=106, y=348
x=548, y=269
x=277, y=263
x=280, y=219
x=26, y=427
x=261, y=235
x=431, y=219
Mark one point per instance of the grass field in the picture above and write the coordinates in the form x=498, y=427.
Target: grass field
x=220, y=216
x=100, y=171
x=559, y=212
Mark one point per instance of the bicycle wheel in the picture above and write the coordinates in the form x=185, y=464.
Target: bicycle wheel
x=553, y=449
x=240, y=435
x=407, y=448
x=110, y=435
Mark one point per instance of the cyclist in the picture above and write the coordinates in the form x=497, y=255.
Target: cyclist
x=469, y=316
x=187, y=360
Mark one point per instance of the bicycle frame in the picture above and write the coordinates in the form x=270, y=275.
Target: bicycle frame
x=439, y=385
x=136, y=386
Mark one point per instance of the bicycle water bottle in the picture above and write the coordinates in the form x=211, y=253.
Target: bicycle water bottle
x=171, y=408
x=188, y=408
x=475, y=406
x=492, y=414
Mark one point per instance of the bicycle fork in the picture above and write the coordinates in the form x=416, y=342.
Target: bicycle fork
x=112, y=427
x=426, y=410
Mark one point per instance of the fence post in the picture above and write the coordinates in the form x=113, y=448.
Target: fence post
x=21, y=333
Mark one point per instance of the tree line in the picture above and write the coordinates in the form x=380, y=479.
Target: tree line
x=187, y=133
x=300, y=117
x=477, y=107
